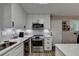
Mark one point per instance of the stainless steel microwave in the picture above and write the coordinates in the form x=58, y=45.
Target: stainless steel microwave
x=37, y=26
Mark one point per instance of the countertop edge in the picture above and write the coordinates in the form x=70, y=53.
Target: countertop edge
x=68, y=53
x=9, y=48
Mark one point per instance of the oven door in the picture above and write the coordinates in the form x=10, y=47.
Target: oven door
x=37, y=46
x=37, y=43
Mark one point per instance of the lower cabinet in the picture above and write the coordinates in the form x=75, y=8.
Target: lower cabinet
x=47, y=44
x=58, y=52
x=16, y=51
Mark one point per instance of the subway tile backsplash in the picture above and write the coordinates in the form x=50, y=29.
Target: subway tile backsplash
x=38, y=32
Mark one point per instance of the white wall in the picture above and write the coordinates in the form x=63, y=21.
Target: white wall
x=45, y=19
x=18, y=16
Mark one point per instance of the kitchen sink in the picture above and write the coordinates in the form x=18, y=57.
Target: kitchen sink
x=6, y=44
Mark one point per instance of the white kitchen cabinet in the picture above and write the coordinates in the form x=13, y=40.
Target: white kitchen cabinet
x=7, y=16
x=1, y=16
x=47, y=44
x=58, y=52
x=16, y=51
x=18, y=16
x=43, y=19
x=56, y=28
x=13, y=12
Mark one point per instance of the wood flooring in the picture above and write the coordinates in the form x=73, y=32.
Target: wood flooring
x=45, y=53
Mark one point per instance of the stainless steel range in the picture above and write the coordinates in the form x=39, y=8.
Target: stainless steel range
x=37, y=43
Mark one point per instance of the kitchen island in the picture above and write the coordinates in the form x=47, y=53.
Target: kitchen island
x=16, y=49
x=67, y=50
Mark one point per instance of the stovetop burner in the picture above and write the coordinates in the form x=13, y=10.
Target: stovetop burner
x=38, y=37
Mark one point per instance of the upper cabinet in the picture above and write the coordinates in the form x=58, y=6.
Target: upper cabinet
x=43, y=19
x=19, y=16
x=7, y=16
x=1, y=16
x=13, y=13
x=56, y=27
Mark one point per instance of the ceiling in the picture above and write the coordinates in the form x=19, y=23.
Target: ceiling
x=57, y=9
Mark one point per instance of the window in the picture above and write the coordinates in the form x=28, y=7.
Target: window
x=74, y=25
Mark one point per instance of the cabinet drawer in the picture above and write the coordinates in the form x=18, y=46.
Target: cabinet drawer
x=47, y=42
x=45, y=45
x=49, y=39
x=47, y=48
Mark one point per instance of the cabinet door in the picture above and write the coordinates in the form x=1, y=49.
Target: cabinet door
x=16, y=51
x=58, y=52
x=56, y=31
x=7, y=16
x=7, y=54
